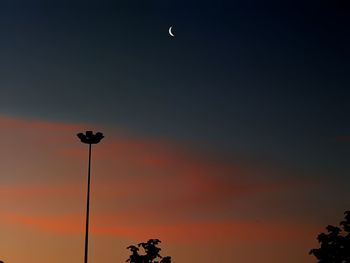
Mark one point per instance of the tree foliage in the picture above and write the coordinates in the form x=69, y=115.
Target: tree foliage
x=335, y=244
x=151, y=253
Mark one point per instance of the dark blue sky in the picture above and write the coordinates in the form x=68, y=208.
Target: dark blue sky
x=261, y=78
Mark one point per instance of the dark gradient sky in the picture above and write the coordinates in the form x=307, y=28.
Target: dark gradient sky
x=233, y=71
x=263, y=80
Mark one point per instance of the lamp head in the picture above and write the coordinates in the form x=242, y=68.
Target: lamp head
x=90, y=138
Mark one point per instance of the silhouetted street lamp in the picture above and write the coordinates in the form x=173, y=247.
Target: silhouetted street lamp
x=89, y=138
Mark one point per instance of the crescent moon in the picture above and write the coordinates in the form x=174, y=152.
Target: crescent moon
x=170, y=31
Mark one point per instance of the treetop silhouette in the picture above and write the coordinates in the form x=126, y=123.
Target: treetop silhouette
x=335, y=244
x=151, y=253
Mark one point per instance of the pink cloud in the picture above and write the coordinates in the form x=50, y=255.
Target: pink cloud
x=343, y=138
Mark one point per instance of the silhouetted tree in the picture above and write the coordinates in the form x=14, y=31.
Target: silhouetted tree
x=151, y=253
x=335, y=244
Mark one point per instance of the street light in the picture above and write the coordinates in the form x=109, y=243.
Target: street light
x=88, y=138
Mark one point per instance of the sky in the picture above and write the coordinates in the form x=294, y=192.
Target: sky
x=230, y=142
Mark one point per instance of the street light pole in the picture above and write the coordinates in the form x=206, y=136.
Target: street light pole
x=88, y=138
x=87, y=210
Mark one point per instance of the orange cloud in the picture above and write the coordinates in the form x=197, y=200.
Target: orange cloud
x=58, y=224
x=37, y=192
x=140, y=185
x=227, y=230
